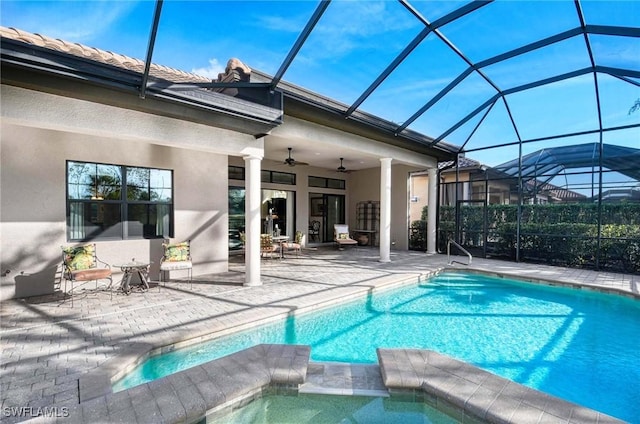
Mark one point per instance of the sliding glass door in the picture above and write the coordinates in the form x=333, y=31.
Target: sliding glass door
x=325, y=210
x=277, y=212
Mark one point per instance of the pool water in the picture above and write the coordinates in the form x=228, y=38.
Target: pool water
x=309, y=408
x=579, y=345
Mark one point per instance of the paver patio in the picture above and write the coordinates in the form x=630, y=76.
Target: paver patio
x=47, y=346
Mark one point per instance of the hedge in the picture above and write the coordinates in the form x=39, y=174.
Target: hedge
x=558, y=234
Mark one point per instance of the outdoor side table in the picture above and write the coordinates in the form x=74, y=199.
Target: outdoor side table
x=141, y=269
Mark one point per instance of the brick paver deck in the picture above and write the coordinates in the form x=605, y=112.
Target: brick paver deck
x=47, y=347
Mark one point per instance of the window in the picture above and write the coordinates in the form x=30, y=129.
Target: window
x=326, y=183
x=278, y=177
x=118, y=202
x=275, y=177
x=236, y=173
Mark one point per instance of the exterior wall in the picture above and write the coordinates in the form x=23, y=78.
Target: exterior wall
x=366, y=186
x=33, y=221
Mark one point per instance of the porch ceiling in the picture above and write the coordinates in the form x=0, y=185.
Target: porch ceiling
x=317, y=154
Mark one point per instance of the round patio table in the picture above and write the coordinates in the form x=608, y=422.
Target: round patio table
x=134, y=268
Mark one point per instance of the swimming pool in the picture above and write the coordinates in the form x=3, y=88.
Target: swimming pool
x=577, y=345
x=310, y=408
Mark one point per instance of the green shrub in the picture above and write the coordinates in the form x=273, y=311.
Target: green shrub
x=563, y=234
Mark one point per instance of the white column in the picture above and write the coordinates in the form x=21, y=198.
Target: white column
x=432, y=208
x=385, y=210
x=252, y=221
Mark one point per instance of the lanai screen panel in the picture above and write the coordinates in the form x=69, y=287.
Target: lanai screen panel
x=476, y=74
x=501, y=80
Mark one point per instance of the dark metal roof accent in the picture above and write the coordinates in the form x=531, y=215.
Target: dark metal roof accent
x=152, y=42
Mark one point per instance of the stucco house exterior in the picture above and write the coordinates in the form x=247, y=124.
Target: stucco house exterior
x=102, y=148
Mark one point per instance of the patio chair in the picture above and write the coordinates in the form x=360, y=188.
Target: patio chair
x=80, y=265
x=297, y=245
x=314, y=230
x=341, y=236
x=176, y=256
x=267, y=246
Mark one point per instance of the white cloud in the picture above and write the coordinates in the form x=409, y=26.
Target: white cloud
x=211, y=71
x=81, y=22
x=281, y=23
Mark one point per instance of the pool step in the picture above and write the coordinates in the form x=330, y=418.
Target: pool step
x=338, y=378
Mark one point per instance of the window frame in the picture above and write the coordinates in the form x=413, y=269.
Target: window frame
x=123, y=203
x=341, y=184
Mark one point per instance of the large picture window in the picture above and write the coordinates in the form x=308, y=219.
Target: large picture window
x=118, y=202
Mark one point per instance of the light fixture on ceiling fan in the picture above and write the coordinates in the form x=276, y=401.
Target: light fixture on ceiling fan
x=291, y=161
x=341, y=168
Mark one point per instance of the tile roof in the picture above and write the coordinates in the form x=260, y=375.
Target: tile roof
x=102, y=56
x=463, y=162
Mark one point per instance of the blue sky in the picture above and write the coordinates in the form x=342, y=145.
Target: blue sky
x=354, y=42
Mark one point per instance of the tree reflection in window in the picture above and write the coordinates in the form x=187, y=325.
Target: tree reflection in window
x=149, y=184
x=94, y=181
x=97, y=208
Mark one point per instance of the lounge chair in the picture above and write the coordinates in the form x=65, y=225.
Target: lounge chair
x=341, y=236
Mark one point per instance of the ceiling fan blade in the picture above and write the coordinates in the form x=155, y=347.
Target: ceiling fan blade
x=291, y=161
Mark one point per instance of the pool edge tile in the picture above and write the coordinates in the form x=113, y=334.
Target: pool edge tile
x=480, y=393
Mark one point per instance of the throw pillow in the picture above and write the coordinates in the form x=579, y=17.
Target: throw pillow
x=79, y=257
x=178, y=252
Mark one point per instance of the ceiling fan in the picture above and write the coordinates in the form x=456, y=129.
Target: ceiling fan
x=291, y=161
x=341, y=168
